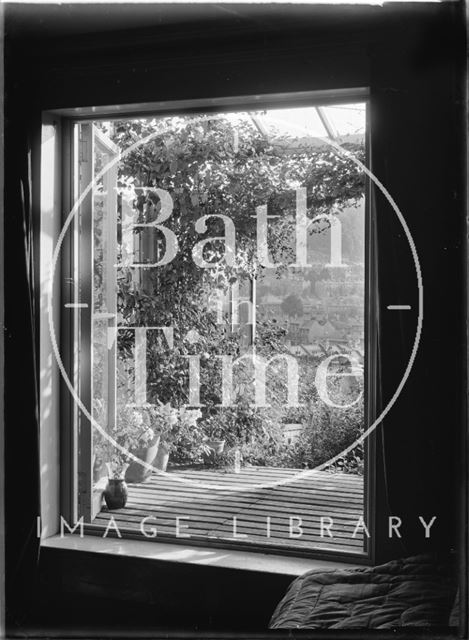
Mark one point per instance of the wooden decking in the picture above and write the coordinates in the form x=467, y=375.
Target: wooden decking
x=266, y=515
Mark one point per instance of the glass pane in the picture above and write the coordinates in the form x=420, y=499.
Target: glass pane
x=229, y=337
x=98, y=290
x=347, y=119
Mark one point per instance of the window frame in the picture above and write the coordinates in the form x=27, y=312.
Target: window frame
x=64, y=120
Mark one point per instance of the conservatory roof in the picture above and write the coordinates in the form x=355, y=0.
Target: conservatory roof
x=313, y=125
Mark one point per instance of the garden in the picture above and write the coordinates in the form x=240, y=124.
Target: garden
x=222, y=179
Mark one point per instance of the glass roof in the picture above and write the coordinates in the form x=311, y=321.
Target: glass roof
x=328, y=121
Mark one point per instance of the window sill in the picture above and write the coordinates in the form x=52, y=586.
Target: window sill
x=205, y=556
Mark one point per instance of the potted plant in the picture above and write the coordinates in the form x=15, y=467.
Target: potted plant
x=116, y=491
x=145, y=419
x=176, y=424
x=214, y=440
x=132, y=431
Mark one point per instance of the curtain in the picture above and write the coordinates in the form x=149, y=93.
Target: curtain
x=21, y=466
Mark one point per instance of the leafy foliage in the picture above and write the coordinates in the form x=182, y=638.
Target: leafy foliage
x=212, y=167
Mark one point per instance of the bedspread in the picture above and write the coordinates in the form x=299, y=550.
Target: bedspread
x=418, y=591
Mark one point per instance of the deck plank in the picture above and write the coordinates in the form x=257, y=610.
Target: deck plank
x=209, y=511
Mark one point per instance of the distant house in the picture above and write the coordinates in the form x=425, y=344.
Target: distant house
x=317, y=331
x=271, y=305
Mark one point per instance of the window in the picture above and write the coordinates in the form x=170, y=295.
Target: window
x=218, y=351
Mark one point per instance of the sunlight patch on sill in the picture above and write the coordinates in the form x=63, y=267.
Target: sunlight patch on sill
x=166, y=552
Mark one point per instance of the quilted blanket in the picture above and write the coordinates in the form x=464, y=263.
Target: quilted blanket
x=417, y=591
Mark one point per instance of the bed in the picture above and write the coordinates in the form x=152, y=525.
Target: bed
x=419, y=591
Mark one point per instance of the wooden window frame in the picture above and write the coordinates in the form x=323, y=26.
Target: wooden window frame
x=66, y=485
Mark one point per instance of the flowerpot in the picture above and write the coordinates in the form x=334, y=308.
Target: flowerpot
x=162, y=457
x=116, y=493
x=136, y=472
x=216, y=448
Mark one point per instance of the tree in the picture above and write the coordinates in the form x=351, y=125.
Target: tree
x=212, y=167
x=292, y=306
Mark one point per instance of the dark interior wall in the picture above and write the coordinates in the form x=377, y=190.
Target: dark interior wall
x=417, y=130
x=141, y=596
x=410, y=57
